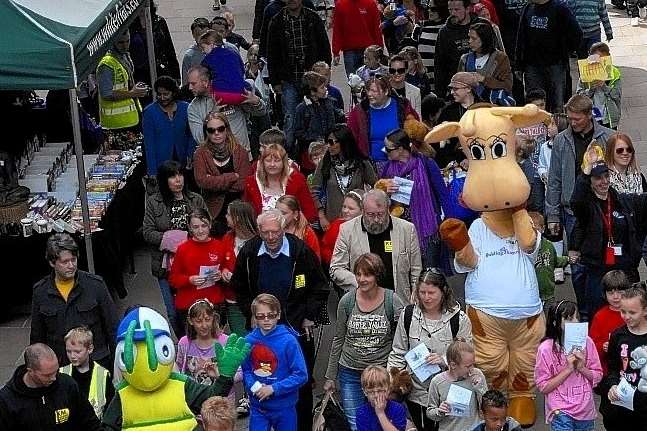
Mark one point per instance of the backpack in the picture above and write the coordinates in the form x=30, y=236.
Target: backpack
x=408, y=316
x=456, y=208
x=388, y=307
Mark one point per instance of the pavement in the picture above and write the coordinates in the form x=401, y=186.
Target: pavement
x=629, y=51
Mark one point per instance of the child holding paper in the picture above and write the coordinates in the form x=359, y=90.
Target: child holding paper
x=626, y=348
x=450, y=413
x=606, y=95
x=199, y=270
x=379, y=413
x=567, y=378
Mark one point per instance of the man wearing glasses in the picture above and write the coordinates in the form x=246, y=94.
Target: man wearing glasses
x=376, y=231
x=282, y=265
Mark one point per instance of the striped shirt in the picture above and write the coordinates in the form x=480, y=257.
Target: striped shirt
x=589, y=14
x=427, y=47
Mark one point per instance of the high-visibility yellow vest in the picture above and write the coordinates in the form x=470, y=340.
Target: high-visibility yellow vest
x=117, y=114
x=163, y=410
x=97, y=393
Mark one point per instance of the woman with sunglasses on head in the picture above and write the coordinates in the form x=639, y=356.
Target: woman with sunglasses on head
x=199, y=269
x=624, y=173
x=397, y=73
x=379, y=112
x=342, y=169
x=221, y=166
x=416, y=70
x=314, y=117
x=429, y=195
x=434, y=319
x=165, y=226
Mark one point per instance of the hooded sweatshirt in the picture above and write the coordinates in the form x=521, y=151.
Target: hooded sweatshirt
x=276, y=359
x=57, y=407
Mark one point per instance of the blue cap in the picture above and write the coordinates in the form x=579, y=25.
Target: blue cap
x=159, y=325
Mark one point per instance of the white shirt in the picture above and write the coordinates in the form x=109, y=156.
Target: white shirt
x=504, y=282
x=479, y=62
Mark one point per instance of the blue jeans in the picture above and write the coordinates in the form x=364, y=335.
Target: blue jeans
x=578, y=272
x=563, y=422
x=290, y=96
x=353, y=60
x=551, y=78
x=169, y=302
x=594, y=293
x=352, y=396
x=278, y=420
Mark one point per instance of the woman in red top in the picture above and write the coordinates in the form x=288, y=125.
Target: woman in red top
x=296, y=223
x=199, y=269
x=608, y=318
x=351, y=208
x=274, y=178
x=241, y=220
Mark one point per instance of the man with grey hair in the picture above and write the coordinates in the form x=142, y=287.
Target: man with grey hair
x=376, y=231
x=281, y=264
x=38, y=398
x=68, y=298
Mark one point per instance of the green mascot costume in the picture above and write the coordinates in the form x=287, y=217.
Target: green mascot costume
x=152, y=397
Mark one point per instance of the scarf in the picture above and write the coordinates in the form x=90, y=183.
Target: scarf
x=423, y=212
x=220, y=151
x=631, y=183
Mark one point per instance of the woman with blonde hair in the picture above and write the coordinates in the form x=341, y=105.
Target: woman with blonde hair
x=296, y=223
x=221, y=166
x=416, y=70
x=275, y=178
x=624, y=173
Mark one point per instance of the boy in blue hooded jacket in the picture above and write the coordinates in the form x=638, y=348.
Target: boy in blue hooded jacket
x=275, y=369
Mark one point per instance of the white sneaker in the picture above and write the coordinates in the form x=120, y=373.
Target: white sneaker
x=642, y=13
x=634, y=22
x=559, y=275
x=567, y=270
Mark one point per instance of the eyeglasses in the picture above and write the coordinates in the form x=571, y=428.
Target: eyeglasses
x=268, y=316
x=398, y=71
x=331, y=142
x=388, y=150
x=456, y=88
x=624, y=150
x=375, y=215
x=219, y=129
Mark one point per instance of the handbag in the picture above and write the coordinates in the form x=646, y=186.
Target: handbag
x=328, y=415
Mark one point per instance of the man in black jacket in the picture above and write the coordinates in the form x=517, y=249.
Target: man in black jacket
x=69, y=298
x=296, y=40
x=548, y=33
x=38, y=398
x=283, y=265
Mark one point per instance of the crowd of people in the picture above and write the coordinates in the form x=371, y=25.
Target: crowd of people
x=269, y=193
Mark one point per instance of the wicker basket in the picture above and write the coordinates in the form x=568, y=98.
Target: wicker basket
x=14, y=213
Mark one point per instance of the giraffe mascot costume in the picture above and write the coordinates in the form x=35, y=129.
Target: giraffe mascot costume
x=498, y=252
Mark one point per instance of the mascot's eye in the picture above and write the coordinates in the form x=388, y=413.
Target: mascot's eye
x=477, y=152
x=119, y=356
x=498, y=148
x=165, y=349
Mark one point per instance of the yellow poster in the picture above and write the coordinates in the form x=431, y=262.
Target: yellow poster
x=595, y=69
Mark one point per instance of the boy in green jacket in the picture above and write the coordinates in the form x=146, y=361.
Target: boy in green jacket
x=547, y=261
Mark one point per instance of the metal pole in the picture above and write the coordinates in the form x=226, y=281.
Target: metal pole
x=150, y=45
x=80, y=167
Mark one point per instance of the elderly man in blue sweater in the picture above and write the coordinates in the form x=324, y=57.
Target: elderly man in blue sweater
x=166, y=132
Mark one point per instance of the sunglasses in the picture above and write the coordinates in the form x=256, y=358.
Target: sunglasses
x=398, y=71
x=331, y=142
x=624, y=150
x=388, y=150
x=219, y=129
x=268, y=316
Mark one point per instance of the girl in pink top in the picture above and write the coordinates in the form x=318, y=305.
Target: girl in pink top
x=196, y=356
x=567, y=379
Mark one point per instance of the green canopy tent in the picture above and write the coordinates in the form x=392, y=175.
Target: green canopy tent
x=55, y=44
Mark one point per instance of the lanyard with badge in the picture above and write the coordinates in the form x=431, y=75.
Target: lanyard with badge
x=612, y=249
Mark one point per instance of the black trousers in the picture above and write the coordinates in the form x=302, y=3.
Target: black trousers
x=304, y=405
x=419, y=417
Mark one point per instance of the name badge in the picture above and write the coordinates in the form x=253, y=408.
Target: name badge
x=388, y=246
x=62, y=415
x=617, y=250
x=300, y=281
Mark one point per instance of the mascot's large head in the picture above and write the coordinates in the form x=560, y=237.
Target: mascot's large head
x=145, y=351
x=488, y=138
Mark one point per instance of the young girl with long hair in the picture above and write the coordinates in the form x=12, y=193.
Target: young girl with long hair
x=565, y=378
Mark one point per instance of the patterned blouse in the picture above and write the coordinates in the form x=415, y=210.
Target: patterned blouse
x=630, y=183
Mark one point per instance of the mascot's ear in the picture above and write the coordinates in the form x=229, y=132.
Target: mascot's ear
x=522, y=116
x=443, y=131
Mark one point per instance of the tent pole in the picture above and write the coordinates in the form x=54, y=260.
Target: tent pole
x=150, y=46
x=80, y=166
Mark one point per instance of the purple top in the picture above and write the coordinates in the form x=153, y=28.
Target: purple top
x=367, y=419
x=190, y=359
